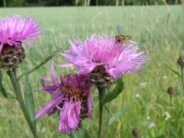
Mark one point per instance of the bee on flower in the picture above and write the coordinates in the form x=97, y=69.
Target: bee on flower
x=122, y=37
x=103, y=58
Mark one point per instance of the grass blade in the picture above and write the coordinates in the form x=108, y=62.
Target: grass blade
x=180, y=89
x=177, y=117
x=173, y=132
x=161, y=136
x=114, y=94
x=41, y=64
x=177, y=73
x=2, y=89
x=29, y=101
x=117, y=115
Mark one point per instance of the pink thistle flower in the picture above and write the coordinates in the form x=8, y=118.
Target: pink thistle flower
x=103, y=56
x=15, y=30
x=71, y=97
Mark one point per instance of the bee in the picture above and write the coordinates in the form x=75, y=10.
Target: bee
x=122, y=37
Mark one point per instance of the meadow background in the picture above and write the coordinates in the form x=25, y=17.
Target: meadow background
x=160, y=33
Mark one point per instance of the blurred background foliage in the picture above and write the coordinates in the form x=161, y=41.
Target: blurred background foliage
x=28, y=3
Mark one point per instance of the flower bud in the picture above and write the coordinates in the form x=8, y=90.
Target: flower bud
x=11, y=56
x=171, y=90
x=136, y=132
x=100, y=77
x=181, y=61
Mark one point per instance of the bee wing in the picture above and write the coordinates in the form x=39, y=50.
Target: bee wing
x=136, y=43
x=132, y=41
x=120, y=29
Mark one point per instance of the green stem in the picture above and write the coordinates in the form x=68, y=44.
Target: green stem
x=182, y=80
x=16, y=86
x=108, y=115
x=101, y=94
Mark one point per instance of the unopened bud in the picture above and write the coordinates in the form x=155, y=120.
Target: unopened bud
x=136, y=132
x=181, y=61
x=171, y=90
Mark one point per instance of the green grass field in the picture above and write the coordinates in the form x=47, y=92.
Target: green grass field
x=160, y=31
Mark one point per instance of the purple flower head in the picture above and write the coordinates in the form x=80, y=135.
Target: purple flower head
x=104, y=58
x=71, y=96
x=15, y=30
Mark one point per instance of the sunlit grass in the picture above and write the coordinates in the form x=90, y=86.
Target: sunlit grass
x=160, y=31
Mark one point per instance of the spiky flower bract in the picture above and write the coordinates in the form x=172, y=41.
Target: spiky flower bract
x=71, y=97
x=15, y=30
x=103, y=54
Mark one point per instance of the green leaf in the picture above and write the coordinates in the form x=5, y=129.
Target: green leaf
x=114, y=94
x=29, y=101
x=72, y=135
x=162, y=136
x=117, y=115
x=177, y=73
x=2, y=89
x=41, y=64
x=83, y=134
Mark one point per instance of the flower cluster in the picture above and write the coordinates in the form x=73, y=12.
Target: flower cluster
x=99, y=60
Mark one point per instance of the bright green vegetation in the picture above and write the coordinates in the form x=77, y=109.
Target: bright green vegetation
x=160, y=31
